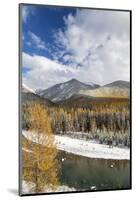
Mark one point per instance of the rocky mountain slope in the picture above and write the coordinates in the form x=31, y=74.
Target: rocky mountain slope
x=118, y=89
x=65, y=90
x=28, y=96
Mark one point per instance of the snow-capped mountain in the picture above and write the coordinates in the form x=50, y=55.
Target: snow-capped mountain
x=63, y=91
x=28, y=95
x=115, y=89
x=27, y=89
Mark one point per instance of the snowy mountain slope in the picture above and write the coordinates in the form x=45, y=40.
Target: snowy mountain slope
x=65, y=90
x=119, y=89
x=28, y=95
x=27, y=89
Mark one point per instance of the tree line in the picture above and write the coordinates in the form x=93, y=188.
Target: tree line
x=105, y=122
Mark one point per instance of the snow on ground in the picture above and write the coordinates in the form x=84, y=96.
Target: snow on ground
x=89, y=149
x=29, y=187
x=61, y=188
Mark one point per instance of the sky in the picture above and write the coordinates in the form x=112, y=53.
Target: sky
x=59, y=44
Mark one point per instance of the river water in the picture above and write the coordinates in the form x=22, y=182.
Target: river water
x=84, y=173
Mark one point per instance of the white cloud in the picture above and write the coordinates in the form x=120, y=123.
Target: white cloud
x=43, y=72
x=95, y=38
x=98, y=41
x=36, y=40
x=26, y=12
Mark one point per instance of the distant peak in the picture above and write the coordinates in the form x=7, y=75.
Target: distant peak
x=122, y=81
x=73, y=79
x=119, y=83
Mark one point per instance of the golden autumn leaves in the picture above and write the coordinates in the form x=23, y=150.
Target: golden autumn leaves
x=39, y=163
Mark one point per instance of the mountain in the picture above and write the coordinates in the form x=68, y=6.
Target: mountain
x=119, y=84
x=26, y=89
x=117, y=89
x=63, y=91
x=28, y=96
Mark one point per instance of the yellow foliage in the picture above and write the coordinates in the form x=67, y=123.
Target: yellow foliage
x=39, y=159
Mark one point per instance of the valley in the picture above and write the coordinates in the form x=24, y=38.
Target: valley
x=72, y=122
x=105, y=119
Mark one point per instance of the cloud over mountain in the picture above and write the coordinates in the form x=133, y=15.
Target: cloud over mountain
x=92, y=46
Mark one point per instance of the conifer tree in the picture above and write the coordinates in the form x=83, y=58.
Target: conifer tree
x=39, y=155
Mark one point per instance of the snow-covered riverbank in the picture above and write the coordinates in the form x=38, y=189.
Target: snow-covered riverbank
x=89, y=148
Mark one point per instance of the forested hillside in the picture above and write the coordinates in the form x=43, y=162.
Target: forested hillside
x=106, y=121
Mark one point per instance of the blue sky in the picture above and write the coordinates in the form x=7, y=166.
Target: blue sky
x=63, y=43
x=43, y=22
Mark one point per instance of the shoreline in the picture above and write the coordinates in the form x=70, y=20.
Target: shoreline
x=91, y=149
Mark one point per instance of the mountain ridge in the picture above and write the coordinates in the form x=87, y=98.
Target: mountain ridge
x=118, y=89
x=28, y=96
x=119, y=83
x=65, y=90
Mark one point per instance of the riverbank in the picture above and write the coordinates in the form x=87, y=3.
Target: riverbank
x=90, y=149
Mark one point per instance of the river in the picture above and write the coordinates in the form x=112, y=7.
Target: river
x=85, y=174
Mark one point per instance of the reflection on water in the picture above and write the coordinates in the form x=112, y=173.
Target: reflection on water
x=90, y=173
